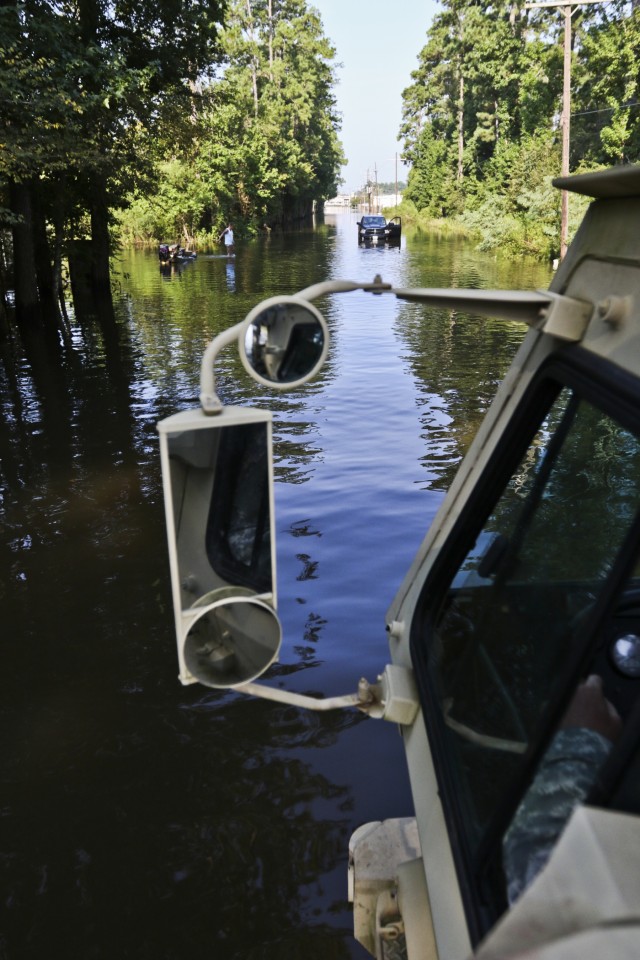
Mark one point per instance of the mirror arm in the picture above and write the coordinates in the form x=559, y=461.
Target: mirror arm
x=363, y=699
x=343, y=286
x=394, y=697
x=552, y=313
x=209, y=400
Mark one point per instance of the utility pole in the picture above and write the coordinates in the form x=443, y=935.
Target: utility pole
x=565, y=121
x=396, y=179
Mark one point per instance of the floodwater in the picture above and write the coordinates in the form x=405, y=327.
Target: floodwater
x=144, y=819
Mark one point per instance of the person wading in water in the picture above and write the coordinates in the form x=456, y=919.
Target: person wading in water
x=227, y=233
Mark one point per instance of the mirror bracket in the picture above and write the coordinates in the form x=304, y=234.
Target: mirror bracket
x=363, y=699
x=394, y=697
x=344, y=286
x=209, y=400
x=558, y=315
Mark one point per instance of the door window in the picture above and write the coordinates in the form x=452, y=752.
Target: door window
x=514, y=621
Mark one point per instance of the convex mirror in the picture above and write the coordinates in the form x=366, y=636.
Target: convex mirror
x=232, y=639
x=284, y=342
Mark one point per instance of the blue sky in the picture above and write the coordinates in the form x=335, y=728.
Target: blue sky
x=378, y=42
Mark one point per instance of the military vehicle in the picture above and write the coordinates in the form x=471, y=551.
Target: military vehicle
x=514, y=639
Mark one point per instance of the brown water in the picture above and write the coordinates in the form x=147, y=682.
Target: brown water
x=145, y=819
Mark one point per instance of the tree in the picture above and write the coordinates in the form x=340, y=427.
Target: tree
x=88, y=80
x=261, y=144
x=273, y=129
x=462, y=92
x=481, y=118
x=608, y=91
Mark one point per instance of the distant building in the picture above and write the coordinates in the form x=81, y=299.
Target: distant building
x=388, y=199
x=341, y=200
x=375, y=203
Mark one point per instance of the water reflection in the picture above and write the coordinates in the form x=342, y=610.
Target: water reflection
x=148, y=820
x=129, y=830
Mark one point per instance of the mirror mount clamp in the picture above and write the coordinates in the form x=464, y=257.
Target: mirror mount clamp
x=210, y=403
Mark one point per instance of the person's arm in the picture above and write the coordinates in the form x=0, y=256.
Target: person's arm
x=563, y=780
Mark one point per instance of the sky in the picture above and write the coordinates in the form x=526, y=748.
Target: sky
x=378, y=42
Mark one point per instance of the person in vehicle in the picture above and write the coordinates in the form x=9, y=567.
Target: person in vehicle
x=566, y=773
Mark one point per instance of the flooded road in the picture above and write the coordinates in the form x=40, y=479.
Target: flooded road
x=145, y=819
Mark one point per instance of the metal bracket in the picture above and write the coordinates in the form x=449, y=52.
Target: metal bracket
x=565, y=317
x=394, y=697
x=552, y=313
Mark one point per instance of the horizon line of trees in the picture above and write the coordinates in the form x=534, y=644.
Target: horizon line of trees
x=481, y=118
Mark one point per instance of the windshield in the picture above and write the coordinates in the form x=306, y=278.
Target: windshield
x=374, y=222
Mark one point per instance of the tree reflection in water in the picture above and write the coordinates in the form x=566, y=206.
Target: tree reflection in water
x=173, y=831
x=140, y=819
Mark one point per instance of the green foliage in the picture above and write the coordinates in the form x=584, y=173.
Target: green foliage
x=610, y=88
x=389, y=186
x=274, y=145
x=87, y=91
x=432, y=183
x=481, y=117
x=263, y=141
x=172, y=213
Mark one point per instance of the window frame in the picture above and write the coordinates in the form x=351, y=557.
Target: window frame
x=617, y=394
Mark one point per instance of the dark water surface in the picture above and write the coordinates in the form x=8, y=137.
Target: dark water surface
x=144, y=819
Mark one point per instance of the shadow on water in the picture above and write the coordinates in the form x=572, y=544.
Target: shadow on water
x=139, y=818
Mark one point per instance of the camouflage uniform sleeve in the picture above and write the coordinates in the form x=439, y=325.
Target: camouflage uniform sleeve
x=563, y=780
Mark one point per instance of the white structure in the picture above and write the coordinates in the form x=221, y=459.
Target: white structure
x=341, y=200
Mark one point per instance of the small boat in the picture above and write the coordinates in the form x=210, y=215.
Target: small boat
x=374, y=230
x=174, y=253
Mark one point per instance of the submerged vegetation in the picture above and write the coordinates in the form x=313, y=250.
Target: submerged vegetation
x=482, y=116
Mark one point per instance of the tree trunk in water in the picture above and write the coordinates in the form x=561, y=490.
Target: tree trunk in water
x=90, y=17
x=4, y=286
x=43, y=264
x=24, y=261
x=58, y=240
x=100, y=244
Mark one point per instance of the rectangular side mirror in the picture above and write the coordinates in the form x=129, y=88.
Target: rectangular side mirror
x=217, y=475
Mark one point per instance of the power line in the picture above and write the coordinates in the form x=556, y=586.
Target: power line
x=620, y=106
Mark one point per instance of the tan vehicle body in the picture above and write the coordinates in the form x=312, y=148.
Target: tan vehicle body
x=586, y=903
